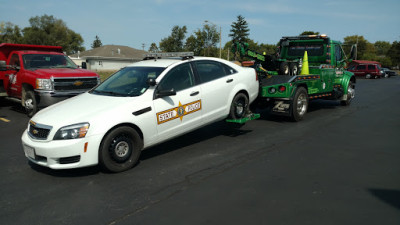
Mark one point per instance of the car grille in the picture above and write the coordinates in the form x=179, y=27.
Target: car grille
x=38, y=131
x=80, y=83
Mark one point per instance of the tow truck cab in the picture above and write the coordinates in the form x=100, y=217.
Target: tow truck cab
x=39, y=75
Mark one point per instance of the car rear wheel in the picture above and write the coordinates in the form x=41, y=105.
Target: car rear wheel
x=239, y=106
x=368, y=76
x=120, y=149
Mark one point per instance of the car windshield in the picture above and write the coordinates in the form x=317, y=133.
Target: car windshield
x=128, y=82
x=46, y=61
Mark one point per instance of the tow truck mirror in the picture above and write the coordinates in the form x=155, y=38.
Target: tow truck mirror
x=164, y=93
x=353, y=52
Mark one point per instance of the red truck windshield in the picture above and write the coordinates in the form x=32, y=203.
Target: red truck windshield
x=40, y=61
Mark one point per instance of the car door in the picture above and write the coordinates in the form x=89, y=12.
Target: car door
x=217, y=81
x=13, y=83
x=177, y=103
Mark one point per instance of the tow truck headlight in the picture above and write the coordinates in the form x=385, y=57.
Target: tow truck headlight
x=72, y=132
x=44, y=84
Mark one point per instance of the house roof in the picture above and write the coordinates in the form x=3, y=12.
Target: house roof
x=112, y=51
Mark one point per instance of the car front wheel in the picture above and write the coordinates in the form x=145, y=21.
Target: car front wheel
x=120, y=149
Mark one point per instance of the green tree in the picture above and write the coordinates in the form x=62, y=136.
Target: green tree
x=97, y=42
x=48, y=30
x=10, y=33
x=394, y=53
x=195, y=43
x=153, y=47
x=362, y=45
x=309, y=33
x=382, y=47
x=240, y=30
x=204, y=41
x=174, y=43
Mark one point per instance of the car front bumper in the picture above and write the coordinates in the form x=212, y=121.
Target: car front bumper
x=62, y=154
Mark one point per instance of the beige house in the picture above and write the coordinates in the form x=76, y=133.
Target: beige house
x=108, y=57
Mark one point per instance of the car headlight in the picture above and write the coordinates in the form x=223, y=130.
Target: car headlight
x=44, y=84
x=72, y=131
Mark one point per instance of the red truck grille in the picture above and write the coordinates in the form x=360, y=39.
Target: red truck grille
x=67, y=84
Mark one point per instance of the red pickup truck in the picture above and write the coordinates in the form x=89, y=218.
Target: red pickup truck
x=39, y=75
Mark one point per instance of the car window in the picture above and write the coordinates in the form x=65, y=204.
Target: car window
x=371, y=67
x=361, y=67
x=129, y=81
x=14, y=61
x=209, y=70
x=179, y=78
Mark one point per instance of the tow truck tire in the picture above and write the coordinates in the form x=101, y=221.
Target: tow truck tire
x=300, y=104
x=294, y=68
x=350, y=95
x=120, y=149
x=284, y=68
x=239, y=106
x=30, y=103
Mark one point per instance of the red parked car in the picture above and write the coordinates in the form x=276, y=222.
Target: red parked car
x=367, y=70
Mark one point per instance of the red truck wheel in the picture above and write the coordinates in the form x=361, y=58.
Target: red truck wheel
x=30, y=103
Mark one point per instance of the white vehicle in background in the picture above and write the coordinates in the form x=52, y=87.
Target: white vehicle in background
x=141, y=105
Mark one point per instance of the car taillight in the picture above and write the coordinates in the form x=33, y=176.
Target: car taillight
x=256, y=75
x=282, y=88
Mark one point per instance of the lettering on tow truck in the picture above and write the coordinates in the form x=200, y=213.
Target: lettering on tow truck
x=178, y=112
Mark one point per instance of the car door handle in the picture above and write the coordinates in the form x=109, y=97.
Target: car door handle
x=229, y=80
x=194, y=93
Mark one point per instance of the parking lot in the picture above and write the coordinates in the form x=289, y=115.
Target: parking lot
x=338, y=166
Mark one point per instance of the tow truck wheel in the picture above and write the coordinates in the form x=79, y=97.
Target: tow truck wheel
x=239, y=106
x=284, y=68
x=30, y=103
x=120, y=149
x=300, y=104
x=294, y=68
x=351, y=92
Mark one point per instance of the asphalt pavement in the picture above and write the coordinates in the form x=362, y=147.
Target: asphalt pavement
x=340, y=165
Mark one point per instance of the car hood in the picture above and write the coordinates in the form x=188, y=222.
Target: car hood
x=85, y=108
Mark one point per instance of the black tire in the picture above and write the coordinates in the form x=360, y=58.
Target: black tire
x=239, y=106
x=284, y=68
x=120, y=149
x=299, y=104
x=294, y=68
x=350, y=94
x=30, y=103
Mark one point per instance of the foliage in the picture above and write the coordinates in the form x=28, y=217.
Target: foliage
x=382, y=47
x=153, y=47
x=174, y=43
x=204, y=41
x=10, y=33
x=309, y=33
x=48, y=30
x=97, y=42
x=394, y=53
x=240, y=30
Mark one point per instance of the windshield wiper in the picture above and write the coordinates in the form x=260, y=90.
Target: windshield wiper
x=109, y=93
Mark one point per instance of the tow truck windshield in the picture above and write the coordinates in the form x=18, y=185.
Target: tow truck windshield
x=128, y=82
x=46, y=61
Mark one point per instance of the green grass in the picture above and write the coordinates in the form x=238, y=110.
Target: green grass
x=105, y=74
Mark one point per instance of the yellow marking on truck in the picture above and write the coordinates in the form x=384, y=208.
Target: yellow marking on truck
x=5, y=120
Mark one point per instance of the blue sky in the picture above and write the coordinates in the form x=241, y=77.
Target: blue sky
x=136, y=22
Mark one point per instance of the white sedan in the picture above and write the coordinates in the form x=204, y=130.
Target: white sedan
x=141, y=105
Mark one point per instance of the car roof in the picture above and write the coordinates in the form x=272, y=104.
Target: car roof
x=166, y=62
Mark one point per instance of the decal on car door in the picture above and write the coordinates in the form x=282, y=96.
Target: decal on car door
x=178, y=112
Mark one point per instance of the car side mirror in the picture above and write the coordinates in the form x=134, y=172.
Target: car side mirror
x=151, y=82
x=3, y=65
x=164, y=93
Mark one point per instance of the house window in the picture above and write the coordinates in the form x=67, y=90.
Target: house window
x=100, y=63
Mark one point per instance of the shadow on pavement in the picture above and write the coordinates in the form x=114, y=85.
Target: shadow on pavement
x=391, y=197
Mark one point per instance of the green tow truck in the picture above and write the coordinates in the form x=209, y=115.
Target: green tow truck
x=288, y=92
